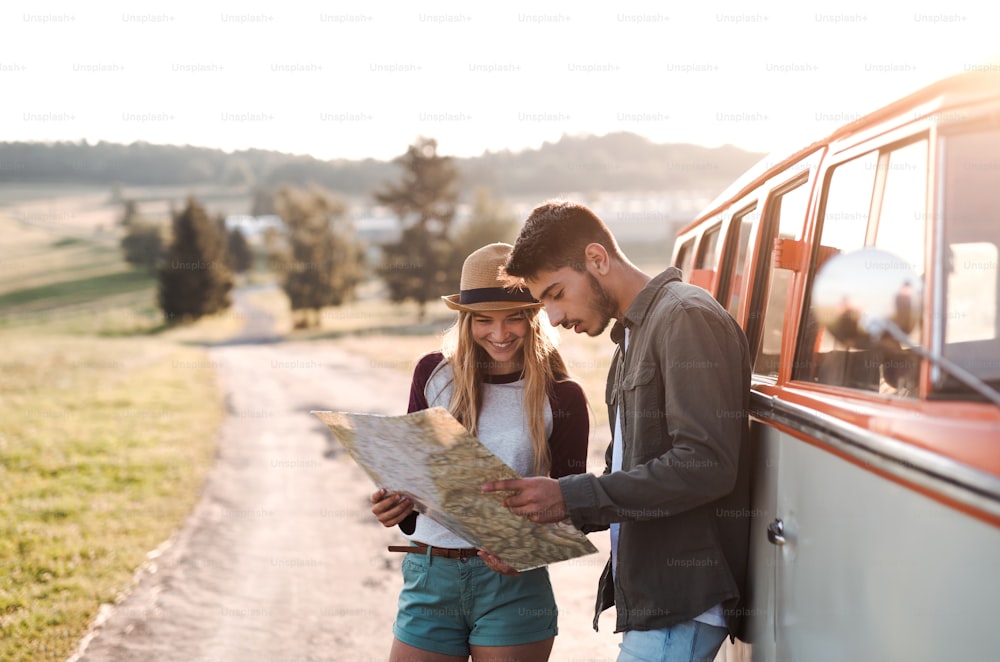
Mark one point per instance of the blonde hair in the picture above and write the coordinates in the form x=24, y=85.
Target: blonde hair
x=543, y=367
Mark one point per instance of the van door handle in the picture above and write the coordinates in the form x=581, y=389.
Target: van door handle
x=776, y=532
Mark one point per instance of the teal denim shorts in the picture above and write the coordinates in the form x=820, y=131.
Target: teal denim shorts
x=448, y=604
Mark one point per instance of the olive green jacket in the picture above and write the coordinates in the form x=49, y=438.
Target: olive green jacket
x=682, y=496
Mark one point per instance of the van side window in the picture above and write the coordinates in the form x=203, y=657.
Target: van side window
x=970, y=210
x=685, y=256
x=847, y=202
x=706, y=249
x=703, y=274
x=879, y=199
x=902, y=231
x=902, y=212
x=737, y=246
x=786, y=213
x=847, y=206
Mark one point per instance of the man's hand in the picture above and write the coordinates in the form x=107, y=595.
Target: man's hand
x=390, y=508
x=539, y=499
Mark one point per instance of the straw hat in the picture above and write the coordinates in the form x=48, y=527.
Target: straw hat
x=481, y=288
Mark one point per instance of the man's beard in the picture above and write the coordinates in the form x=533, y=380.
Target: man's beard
x=604, y=305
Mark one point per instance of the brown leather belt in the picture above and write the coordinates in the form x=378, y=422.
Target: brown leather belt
x=463, y=554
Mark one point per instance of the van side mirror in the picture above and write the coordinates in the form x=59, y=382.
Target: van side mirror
x=857, y=295
x=870, y=296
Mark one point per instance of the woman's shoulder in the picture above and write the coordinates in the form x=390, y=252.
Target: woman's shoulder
x=427, y=364
x=431, y=359
x=567, y=391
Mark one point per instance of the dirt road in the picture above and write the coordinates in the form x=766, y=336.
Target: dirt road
x=281, y=560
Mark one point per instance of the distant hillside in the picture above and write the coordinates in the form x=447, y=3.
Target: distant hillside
x=616, y=162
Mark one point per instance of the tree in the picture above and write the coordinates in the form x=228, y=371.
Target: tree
x=239, y=255
x=323, y=262
x=263, y=202
x=420, y=266
x=490, y=221
x=142, y=244
x=130, y=213
x=236, y=172
x=194, y=278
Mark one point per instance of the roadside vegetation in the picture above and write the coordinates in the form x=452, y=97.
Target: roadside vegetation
x=103, y=446
x=108, y=423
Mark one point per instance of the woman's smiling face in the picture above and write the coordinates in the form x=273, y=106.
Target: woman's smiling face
x=501, y=333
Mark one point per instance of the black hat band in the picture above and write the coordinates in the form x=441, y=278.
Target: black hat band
x=490, y=294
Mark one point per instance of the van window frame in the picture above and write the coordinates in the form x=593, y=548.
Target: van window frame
x=685, y=253
x=762, y=266
x=727, y=263
x=705, y=241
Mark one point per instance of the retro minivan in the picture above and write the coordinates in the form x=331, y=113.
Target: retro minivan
x=864, y=269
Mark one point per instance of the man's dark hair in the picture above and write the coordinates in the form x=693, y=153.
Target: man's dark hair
x=555, y=236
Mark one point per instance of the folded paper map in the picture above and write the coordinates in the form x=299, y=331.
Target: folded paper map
x=431, y=458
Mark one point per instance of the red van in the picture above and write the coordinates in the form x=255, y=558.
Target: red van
x=864, y=270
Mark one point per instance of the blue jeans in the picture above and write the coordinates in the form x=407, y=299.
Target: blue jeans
x=690, y=641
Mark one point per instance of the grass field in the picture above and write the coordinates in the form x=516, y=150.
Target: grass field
x=103, y=446
x=103, y=442
x=52, y=283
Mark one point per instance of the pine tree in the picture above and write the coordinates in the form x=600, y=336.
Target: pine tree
x=194, y=278
x=419, y=266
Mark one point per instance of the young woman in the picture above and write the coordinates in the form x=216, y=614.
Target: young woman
x=501, y=376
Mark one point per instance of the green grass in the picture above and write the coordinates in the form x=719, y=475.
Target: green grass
x=103, y=446
x=68, y=241
x=69, y=292
x=53, y=283
x=104, y=442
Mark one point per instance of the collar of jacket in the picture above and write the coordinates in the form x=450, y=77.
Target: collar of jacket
x=636, y=313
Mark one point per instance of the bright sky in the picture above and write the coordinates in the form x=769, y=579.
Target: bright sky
x=364, y=79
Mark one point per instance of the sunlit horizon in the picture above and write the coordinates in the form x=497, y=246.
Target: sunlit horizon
x=354, y=81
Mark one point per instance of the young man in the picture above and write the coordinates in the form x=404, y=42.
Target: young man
x=675, y=491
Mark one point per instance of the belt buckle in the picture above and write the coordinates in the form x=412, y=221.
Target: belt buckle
x=465, y=554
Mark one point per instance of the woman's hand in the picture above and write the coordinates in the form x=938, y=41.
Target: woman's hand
x=496, y=565
x=390, y=508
